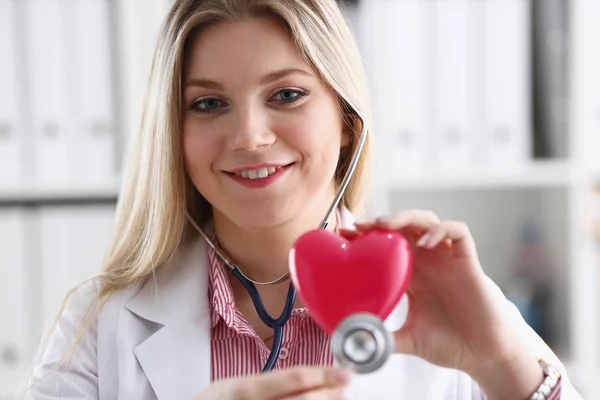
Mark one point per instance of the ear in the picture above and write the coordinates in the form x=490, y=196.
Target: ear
x=347, y=130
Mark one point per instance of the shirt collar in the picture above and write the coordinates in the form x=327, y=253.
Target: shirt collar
x=220, y=292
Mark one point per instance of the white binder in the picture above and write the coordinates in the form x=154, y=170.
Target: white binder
x=506, y=86
x=94, y=141
x=14, y=351
x=588, y=76
x=139, y=24
x=454, y=83
x=10, y=127
x=397, y=60
x=73, y=243
x=52, y=124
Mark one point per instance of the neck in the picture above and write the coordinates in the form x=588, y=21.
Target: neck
x=262, y=253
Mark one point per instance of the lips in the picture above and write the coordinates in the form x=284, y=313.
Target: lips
x=260, y=171
x=259, y=176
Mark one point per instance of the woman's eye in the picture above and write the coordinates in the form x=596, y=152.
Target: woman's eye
x=288, y=95
x=205, y=106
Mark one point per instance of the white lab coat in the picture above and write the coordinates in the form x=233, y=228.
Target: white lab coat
x=153, y=342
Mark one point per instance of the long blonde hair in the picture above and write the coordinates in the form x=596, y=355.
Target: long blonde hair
x=150, y=222
x=156, y=192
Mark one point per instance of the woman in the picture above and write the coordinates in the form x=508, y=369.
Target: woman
x=250, y=120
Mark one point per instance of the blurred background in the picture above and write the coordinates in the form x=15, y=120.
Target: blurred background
x=486, y=111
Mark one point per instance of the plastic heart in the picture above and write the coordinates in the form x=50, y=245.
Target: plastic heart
x=335, y=277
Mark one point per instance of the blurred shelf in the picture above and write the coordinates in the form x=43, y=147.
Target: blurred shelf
x=535, y=175
x=60, y=195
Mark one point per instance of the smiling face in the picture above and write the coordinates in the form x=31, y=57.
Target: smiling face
x=261, y=132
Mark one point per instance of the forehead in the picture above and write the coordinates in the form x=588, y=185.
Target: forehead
x=240, y=49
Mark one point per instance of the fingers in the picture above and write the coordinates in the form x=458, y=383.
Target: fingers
x=324, y=394
x=430, y=231
x=420, y=220
x=456, y=232
x=295, y=381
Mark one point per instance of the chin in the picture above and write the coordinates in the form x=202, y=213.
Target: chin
x=300, y=207
x=265, y=217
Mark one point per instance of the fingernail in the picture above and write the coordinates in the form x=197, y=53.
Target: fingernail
x=341, y=375
x=423, y=239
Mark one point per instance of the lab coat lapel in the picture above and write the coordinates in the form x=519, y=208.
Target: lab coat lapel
x=176, y=358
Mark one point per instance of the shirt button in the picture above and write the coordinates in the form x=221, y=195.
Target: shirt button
x=284, y=353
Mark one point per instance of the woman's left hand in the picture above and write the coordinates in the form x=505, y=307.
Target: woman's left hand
x=455, y=320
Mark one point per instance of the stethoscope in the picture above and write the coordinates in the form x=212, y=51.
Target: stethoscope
x=350, y=344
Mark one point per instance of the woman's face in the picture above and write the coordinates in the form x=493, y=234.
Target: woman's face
x=261, y=132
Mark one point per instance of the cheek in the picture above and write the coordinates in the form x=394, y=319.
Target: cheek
x=199, y=152
x=320, y=139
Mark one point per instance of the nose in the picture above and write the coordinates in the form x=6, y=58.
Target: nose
x=251, y=130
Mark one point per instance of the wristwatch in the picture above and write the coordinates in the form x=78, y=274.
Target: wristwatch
x=550, y=383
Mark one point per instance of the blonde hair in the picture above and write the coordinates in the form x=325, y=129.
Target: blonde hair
x=156, y=192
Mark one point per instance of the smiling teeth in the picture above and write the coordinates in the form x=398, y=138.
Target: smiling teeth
x=257, y=173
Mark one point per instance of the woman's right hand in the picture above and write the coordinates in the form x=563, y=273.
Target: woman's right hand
x=306, y=383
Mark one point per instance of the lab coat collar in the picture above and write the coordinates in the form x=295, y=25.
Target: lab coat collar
x=177, y=285
x=176, y=357
x=347, y=218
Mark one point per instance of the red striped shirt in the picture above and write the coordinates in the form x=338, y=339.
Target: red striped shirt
x=236, y=349
x=556, y=394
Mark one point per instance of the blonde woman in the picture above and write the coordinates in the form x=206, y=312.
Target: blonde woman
x=253, y=112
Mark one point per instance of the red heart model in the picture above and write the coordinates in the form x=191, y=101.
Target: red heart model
x=335, y=277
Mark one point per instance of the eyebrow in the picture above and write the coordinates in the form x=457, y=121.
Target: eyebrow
x=273, y=76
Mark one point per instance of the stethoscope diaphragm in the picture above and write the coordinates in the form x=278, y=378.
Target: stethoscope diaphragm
x=362, y=343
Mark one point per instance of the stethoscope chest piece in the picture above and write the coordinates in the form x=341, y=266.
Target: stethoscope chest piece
x=362, y=342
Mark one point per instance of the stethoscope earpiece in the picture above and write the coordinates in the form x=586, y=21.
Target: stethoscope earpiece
x=362, y=342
